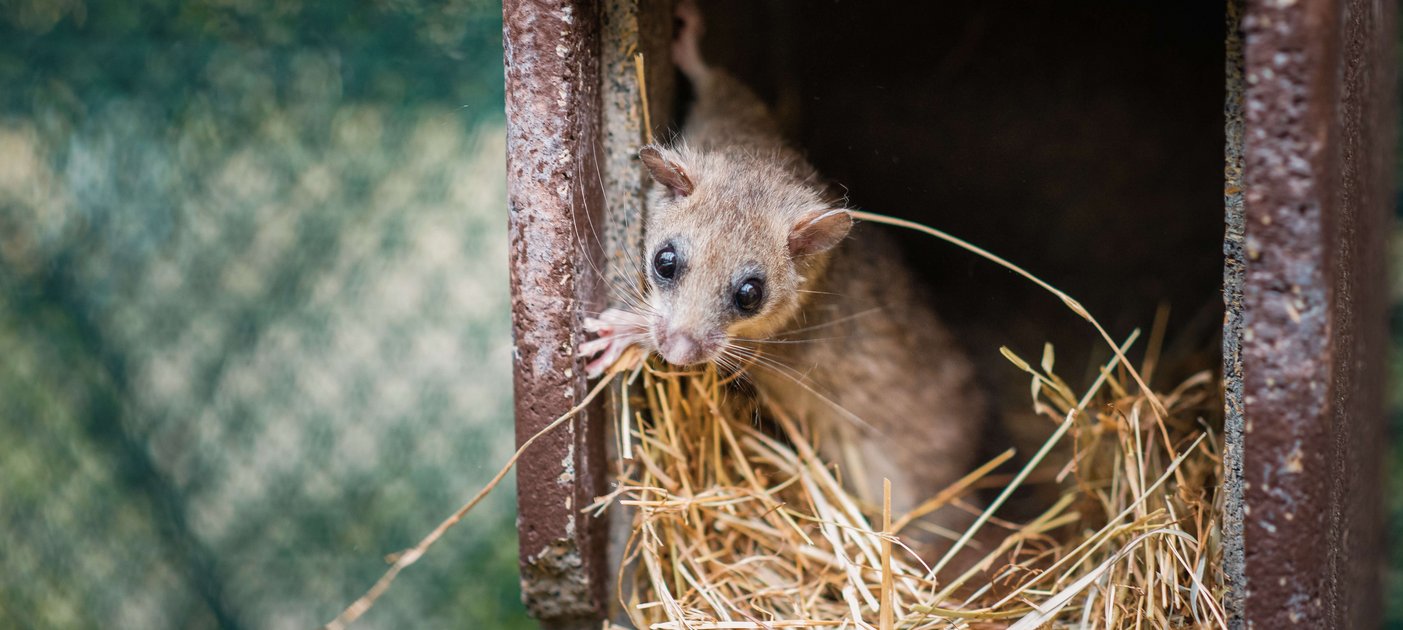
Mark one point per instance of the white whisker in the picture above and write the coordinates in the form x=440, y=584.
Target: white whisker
x=834, y=322
x=758, y=360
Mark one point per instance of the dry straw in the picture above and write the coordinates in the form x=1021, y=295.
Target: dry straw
x=736, y=525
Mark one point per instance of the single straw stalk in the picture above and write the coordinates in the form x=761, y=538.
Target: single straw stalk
x=402, y=560
x=1071, y=303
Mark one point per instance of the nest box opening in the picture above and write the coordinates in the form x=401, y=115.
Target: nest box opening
x=1087, y=142
x=1083, y=141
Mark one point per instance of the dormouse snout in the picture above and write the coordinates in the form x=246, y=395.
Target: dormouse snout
x=682, y=347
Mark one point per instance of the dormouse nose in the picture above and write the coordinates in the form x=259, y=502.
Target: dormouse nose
x=680, y=347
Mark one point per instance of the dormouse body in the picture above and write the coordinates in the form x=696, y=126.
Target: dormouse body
x=753, y=260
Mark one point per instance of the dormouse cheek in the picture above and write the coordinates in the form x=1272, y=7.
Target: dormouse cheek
x=758, y=327
x=656, y=300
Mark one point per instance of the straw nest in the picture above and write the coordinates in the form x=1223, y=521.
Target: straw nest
x=741, y=524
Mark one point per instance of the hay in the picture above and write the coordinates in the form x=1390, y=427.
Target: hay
x=738, y=527
x=735, y=527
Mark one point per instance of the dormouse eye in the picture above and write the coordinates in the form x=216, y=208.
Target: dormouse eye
x=665, y=262
x=750, y=294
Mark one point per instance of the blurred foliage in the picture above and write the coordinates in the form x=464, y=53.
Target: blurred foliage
x=253, y=312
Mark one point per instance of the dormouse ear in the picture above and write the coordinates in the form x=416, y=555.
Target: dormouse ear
x=819, y=231
x=667, y=170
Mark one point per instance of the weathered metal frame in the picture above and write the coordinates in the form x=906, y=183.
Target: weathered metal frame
x=576, y=195
x=553, y=132
x=1310, y=118
x=1309, y=147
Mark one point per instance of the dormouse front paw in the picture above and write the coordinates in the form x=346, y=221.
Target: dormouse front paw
x=615, y=331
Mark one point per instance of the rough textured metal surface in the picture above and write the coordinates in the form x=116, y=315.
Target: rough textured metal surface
x=553, y=186
x=1234, y=266
x=1357, y=251
x=1316, y=138
x=628, y=28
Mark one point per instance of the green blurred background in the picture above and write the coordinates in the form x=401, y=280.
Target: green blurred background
x=254, y=314
x=254, y=321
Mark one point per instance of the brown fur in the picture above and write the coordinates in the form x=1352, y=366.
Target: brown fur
x=735, y=201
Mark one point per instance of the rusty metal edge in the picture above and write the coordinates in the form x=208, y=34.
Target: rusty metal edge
x=629, y=28
x=552, y=105
x=1315, y=204
x=1357, y=248
x=1234, y=265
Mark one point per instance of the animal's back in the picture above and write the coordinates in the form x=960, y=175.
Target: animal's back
x=869, y=342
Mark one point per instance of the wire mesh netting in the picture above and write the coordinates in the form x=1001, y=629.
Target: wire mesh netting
x=253, y=312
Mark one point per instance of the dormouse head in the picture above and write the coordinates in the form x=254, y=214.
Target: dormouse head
x=731, y=242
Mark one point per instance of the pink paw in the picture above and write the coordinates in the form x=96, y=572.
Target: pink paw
x=615, y=332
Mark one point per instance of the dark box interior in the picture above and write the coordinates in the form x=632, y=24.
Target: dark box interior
x=1081, y=140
